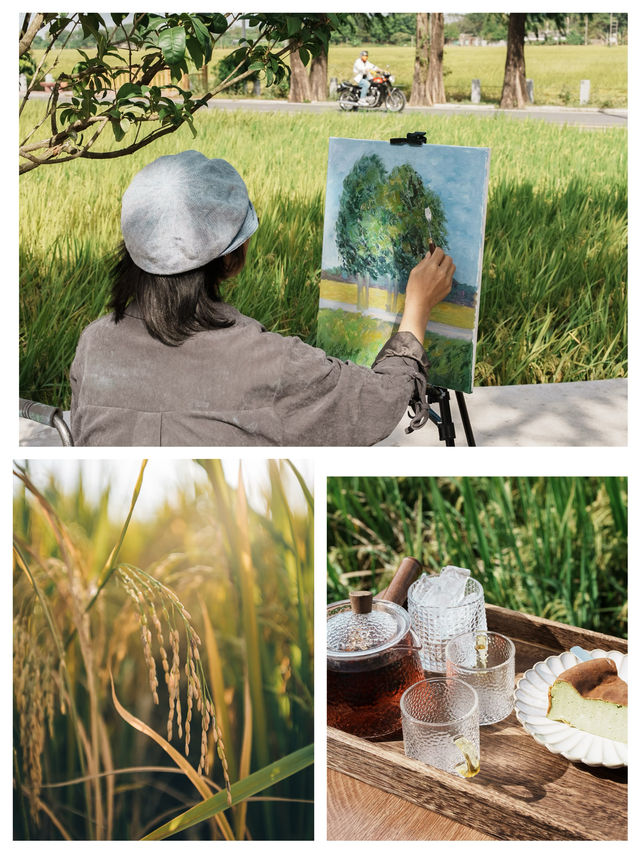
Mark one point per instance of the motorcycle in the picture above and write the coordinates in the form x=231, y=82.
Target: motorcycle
x=382, y=93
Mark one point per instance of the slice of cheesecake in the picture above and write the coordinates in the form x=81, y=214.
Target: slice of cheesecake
x=592, y=697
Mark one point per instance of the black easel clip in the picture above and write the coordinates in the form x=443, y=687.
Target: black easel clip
x=418, y=137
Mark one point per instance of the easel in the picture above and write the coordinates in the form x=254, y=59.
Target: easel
x=435, y=394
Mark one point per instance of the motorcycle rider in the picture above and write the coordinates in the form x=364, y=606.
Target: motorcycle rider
x=361, y=69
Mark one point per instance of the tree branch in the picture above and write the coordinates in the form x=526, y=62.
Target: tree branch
x=47, y=51
x=109, y=155
x=25, y=23
x=60, y=138
x=31, y=33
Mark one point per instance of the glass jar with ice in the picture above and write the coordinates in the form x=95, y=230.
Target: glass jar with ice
x=441, y=607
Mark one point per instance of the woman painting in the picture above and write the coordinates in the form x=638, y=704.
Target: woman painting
x=174, y=365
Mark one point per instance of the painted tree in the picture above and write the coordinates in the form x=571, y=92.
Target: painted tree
x=381, y=230
x=357, y=223
x=405, y=197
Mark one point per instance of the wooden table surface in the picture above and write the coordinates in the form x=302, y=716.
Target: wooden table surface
x=356, y=811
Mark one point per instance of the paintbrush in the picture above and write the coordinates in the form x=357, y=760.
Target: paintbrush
x=427, y=216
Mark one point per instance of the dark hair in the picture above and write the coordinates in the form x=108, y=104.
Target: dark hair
x=174, y=307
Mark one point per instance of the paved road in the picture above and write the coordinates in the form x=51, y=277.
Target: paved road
x=587, y=117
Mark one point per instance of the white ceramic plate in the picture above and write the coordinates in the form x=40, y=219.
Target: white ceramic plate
x=531, y=703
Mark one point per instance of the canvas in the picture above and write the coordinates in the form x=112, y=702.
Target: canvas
x=375, y=232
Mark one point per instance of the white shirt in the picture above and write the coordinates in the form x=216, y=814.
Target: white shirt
x=360, y=68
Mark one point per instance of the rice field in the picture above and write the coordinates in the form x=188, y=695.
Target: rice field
x=554, y=300
x=555, y=69
x=551, y=546
x=163, y=661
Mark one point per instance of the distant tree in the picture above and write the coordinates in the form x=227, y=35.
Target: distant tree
x=495, y=27
x=452, y=31
x=514, y=87
x=312, y=85
x=373, y=28
x=401, y=37
x=435, y=72
x=428, y=74
x=420, y=62
x=491, y=26
x=472, y=23
x=596, y=25
x=226, y=67
x=26, y=65
x=113, y=87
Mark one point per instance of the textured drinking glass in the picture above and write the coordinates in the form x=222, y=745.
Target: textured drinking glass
x=440, y=725
x=435, y=626
x=486, y=661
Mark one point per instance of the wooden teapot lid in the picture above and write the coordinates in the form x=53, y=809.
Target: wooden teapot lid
x=361, y=601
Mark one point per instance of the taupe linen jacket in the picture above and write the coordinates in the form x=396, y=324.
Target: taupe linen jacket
x=238, y=386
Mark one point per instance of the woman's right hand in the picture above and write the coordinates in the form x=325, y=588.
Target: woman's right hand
x=429, y=282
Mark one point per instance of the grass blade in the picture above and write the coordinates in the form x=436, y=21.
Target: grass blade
x=242, y=790
x=245, y=756
x=303, y=485
x=197, y=781
x=216, y=679
x=250, y=631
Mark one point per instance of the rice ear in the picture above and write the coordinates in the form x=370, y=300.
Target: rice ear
x=197, y=781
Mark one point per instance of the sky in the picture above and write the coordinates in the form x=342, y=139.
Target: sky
x=458, y=174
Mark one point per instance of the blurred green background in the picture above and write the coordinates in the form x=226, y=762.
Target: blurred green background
x=551, y=546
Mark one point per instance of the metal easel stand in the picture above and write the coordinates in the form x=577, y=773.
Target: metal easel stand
x=441, y=396
x=444, y=421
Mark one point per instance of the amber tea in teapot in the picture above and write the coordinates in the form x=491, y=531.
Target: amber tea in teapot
x=372, y=657
x=367, y=703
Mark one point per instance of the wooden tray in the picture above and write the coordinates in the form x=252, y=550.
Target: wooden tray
x=523, y=791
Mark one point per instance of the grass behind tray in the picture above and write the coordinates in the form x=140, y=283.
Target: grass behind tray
x=552, y=546
x=553, y=303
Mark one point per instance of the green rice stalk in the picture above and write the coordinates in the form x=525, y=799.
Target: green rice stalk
x=259, y=781
x=111, y=565
x=250, y=629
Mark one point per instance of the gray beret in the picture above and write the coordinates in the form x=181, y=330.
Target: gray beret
x=182, y=211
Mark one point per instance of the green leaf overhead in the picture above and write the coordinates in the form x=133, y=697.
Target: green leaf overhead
x=129, y=55
x=173, y=42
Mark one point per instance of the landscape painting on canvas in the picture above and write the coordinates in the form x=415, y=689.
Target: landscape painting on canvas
x=375, y=232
